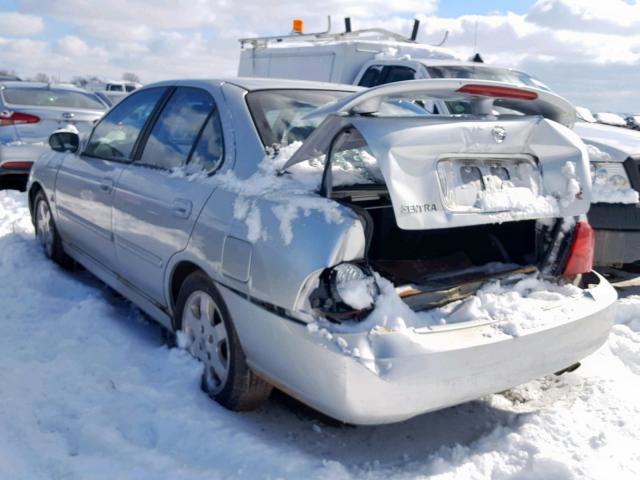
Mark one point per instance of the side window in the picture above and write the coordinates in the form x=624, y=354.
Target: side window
x=397, y=73
x=371, y=77
x=209, y=150
x=116, y=134
x=178, y=125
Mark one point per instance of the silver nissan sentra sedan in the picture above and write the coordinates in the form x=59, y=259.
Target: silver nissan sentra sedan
x=343, y=245
x=29, y=112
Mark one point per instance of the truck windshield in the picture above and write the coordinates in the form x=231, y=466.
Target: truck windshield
x=279, y=114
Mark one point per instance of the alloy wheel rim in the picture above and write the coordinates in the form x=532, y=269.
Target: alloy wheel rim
x=206, y=332
x=44, y=229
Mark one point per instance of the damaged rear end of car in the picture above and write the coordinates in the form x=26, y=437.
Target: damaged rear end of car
x=473, y=268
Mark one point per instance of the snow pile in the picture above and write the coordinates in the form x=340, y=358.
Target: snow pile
x=357, y=293
x=89, y=391
x=513, y=306
x=606, y=193
x=517, y=200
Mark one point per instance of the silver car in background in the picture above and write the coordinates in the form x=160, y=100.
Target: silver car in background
x=29, y=113
x=275, y=226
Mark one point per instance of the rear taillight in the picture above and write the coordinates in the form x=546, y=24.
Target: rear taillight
x=7, y=117
x=580, y=258
x=16, y=165
x=500, y=92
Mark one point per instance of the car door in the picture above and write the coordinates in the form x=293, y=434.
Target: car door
x=85, y=182
x=156, y=203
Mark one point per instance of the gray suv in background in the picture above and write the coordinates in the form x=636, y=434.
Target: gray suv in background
x=29, y=113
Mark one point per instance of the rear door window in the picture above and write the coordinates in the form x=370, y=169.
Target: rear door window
x=209, y=150
x=177, y=128
x=116, y=134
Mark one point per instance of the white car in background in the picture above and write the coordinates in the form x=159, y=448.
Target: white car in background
x=113, y=91
x=29, y=113
x=609, y=118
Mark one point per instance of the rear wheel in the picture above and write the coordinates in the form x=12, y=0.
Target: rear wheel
x=46, y=231
x=210, y=337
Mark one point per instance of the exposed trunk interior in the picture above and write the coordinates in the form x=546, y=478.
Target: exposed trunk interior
x=420, y=256
x=442, y=265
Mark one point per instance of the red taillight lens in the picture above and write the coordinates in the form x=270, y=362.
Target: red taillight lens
x=581, y=252
x=16, y=165
x=16, y=118
x=500, y=92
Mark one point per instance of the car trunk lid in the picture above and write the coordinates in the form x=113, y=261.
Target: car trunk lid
x=52, y=119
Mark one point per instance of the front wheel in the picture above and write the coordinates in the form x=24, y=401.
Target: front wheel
x=46, y=231
x=209, y=335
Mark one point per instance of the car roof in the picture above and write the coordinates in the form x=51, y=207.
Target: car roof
x=256, y=83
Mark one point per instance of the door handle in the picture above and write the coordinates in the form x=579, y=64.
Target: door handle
x=182, y=208
x=106, y=185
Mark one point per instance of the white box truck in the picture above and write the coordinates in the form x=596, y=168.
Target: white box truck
x=335, y=58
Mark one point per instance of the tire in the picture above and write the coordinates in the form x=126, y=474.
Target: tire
x=207, y=332
x=47, y=233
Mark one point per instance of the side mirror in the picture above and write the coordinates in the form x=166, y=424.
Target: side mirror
x=64, y=141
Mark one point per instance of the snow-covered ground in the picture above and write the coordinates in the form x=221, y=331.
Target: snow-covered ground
x=88, y=391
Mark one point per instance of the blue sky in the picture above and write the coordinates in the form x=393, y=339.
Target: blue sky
x=587, y=50
x=467, y=7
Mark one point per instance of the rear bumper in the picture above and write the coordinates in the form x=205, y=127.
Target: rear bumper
x=21, y=153
x=397, y=375
x=616, y=246
x=617, y=228
x=24, y=171
x=614, y=216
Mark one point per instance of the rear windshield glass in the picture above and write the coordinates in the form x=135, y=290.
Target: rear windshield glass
x=45, y=97
x=485, y=73
x=279, y=114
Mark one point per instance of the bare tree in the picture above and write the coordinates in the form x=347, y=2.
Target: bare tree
x=41, y=77
x=79, y=81
x=130, y=77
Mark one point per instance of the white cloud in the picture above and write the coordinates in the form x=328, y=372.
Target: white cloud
x=610, y=16
x=569, y=44
x=136, y=19
x=17, y=24
x=72, y=46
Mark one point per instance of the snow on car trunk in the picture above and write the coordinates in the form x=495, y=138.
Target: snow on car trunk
x=88, y=391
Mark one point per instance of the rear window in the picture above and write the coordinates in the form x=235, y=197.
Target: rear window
x=279, y=114
x=51, y=97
